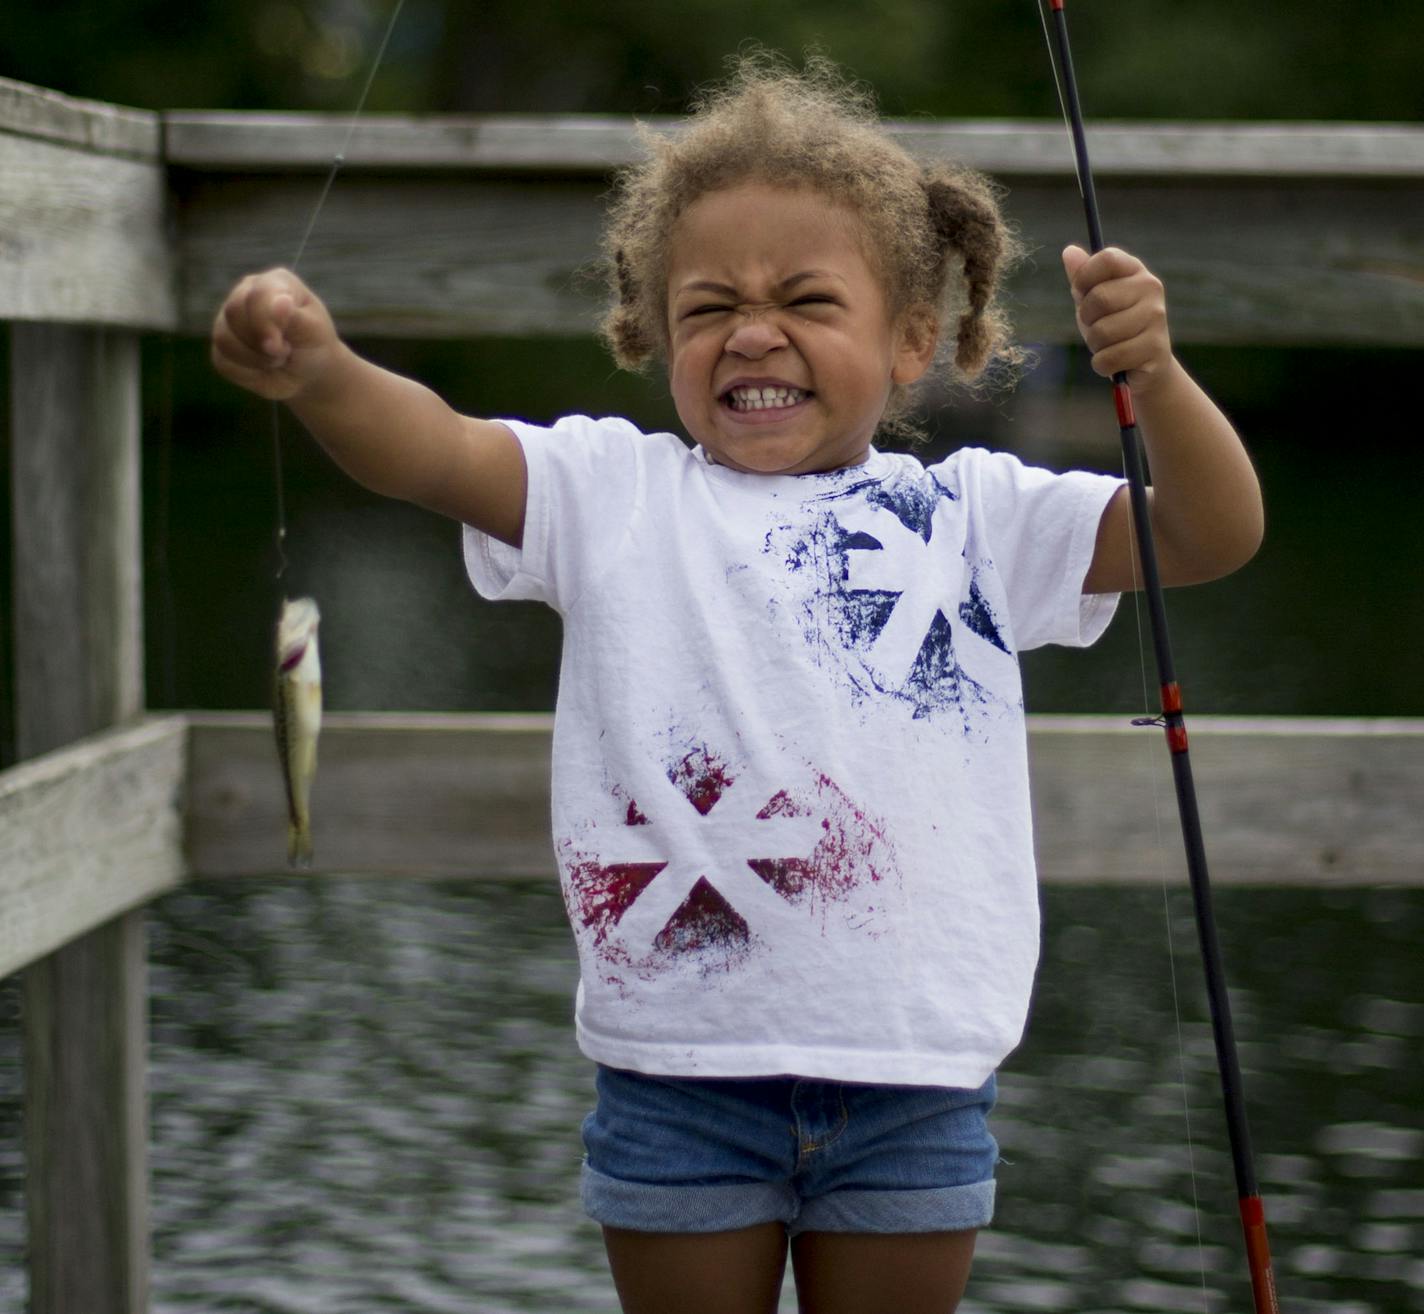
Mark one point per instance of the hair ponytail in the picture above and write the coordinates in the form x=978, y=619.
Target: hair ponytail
x=966, y=219
x=625, y=327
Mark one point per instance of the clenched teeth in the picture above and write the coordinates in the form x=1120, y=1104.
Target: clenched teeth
x=764, y=399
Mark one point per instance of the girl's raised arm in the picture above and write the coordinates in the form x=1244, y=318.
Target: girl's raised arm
x=1207, y=518
x=273, y=336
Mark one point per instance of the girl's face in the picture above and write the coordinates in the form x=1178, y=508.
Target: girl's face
x=782, y=351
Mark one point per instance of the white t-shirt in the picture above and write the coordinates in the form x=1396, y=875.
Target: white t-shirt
x=790, y=782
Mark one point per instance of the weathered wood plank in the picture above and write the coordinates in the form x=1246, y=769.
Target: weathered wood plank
x=577, y=143
x=82, y=204
x=404, y=795
x=79, y=669
x=402, y=256
x=88, y=832
x=78, y=547
x=85, y=237
x=1246, y=262
x=86, y=1124
x=1284, y=262
x=1011, y=148
x=1271, y=233
x=30, y=111
x=226, y=142
x=449, y=226
x=1284, y=801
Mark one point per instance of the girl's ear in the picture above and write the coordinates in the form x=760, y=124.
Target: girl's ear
x=918, y=336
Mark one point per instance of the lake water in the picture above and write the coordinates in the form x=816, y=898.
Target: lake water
x=366, y=1098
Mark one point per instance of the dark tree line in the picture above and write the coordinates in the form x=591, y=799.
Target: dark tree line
x=1271, y=59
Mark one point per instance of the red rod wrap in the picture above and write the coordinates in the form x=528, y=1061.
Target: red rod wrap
x=1258, y=1254
x=1177, y=738
x=1122, y=397
x=1172, y=697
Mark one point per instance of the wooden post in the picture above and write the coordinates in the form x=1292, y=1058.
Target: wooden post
x=78, y=669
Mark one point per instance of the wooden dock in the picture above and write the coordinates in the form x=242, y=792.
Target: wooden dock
x=117, y=222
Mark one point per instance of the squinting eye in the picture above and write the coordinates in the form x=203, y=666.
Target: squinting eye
x=815, y=299
x=704, y=310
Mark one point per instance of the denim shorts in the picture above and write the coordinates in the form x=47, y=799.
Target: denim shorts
x=675, y=1154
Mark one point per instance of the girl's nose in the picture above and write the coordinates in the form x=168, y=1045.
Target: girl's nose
x=754, y=336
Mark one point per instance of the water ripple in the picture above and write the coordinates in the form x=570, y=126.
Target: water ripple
x=366, y=1099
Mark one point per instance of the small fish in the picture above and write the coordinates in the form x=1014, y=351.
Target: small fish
x=297, y=716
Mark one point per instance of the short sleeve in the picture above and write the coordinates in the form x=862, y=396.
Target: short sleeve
x=584, y=483
x=1040, y=529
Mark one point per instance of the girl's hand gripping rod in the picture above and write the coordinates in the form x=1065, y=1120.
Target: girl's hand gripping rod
x=1253, y=1220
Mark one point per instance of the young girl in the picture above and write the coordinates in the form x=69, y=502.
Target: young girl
x=790, y=786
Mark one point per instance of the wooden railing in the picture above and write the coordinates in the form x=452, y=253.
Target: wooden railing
x=104, y=825
x=114, y=222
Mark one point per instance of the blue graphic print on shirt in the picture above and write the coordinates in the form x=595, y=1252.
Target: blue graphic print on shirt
x=890, y=603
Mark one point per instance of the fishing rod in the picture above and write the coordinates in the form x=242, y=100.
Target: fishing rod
x=1253, y=1217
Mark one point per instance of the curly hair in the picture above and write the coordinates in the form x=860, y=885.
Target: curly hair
x=934, y=233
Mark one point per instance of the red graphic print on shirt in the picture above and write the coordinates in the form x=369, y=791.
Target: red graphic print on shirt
x=676, y=885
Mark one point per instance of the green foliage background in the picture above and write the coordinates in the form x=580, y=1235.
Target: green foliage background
x=1193, y=59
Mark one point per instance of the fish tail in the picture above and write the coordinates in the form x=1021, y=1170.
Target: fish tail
x=299, y=844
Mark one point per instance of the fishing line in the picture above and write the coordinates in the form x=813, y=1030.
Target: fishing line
x=340, y=158
x=337, y=161
x=1067, y=126
x=1181, y=1050
x=1159, y=852
x=1147, y=718
x=281, y=501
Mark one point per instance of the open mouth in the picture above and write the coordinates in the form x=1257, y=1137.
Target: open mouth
x=746, y=399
